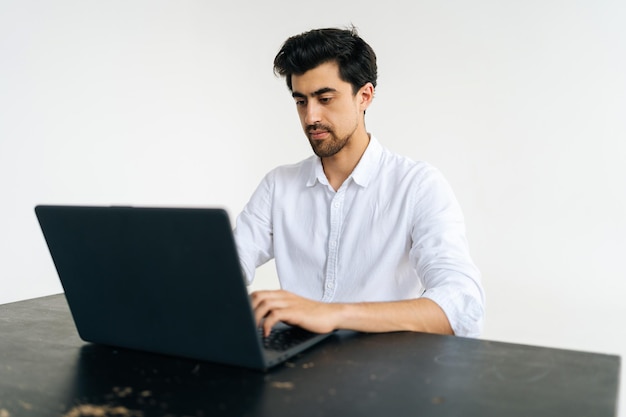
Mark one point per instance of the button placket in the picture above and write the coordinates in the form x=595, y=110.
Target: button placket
x=336, y=206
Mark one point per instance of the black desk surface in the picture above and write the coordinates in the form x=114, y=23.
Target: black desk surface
x=46, y=370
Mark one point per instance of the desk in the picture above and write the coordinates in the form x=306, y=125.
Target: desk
x=46, y=370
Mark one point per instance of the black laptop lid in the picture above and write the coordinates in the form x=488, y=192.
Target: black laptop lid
x=166, y=280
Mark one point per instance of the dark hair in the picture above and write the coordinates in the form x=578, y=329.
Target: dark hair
x=356, y=59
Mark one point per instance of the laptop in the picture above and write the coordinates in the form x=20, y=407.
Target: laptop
x=162, y=280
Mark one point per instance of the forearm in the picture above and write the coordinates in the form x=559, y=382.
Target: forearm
x=419, y=315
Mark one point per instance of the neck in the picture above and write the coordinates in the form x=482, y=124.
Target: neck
x=338, y=167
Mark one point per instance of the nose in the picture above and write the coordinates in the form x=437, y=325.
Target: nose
x=312, y=113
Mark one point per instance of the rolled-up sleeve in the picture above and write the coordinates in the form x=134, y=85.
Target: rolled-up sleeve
x=440, y=255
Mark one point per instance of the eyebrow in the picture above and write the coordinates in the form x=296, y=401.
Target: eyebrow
x=315, y=93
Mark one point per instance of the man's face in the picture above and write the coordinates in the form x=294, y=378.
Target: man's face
x=328, y=109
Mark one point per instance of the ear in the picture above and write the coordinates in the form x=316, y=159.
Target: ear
x=365, y=96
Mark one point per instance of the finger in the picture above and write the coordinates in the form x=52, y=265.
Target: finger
x=261, y=312
x=257, y=297
x=270, y=321
x=259, y=305
x=266, y=302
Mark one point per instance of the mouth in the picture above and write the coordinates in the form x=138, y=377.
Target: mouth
x=318, y=134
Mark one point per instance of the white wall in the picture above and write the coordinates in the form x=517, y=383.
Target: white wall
x=522, y=105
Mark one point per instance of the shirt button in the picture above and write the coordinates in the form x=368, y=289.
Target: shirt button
x=330, y=285
x=336, y=204
x=333, y=243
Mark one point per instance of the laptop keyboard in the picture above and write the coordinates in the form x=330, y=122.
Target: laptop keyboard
x=284, y=338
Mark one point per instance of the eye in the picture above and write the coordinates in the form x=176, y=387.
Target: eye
x=325, y=100
x=300, y=102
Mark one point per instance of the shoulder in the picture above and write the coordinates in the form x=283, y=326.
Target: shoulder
x=418, y=180
x=291, y=171
x=402, y=166
x=299, y=172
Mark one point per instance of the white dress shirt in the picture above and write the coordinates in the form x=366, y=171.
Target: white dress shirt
x=392, y=231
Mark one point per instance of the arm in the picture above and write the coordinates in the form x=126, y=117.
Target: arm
x=420, y=314
x=253, y=231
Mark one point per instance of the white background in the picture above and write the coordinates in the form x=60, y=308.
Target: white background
x=521, y=104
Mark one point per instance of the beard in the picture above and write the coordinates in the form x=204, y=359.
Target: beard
x=330, y=146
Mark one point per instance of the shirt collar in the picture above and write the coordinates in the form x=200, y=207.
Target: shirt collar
x=362, y=173
x=366, y=169
x=317, y=173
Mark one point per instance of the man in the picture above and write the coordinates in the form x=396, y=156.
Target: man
x=362, y=238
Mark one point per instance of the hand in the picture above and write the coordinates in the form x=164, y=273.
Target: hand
x=280, y=305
